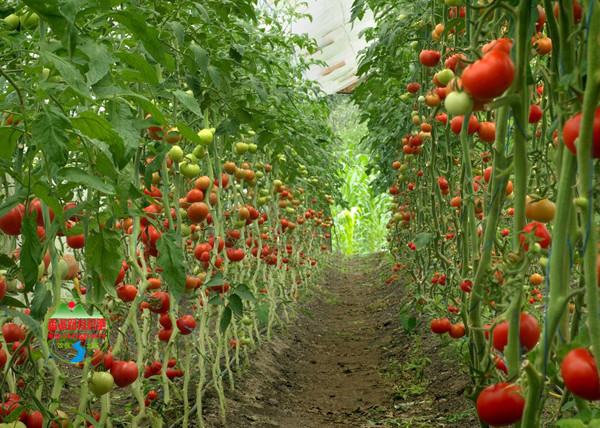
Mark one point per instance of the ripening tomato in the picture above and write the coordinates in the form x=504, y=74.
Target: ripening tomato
x=542, y=210
x=500, y=404
x=542, y=236
x=159, y=302
x=580, y=374
x=571, y=132
x=457, y=122
x=429, y=58
x=529, y=333
x=455, y=61
x=487, y=132
x=197, y=212
x=490, y=76
x=503, y=45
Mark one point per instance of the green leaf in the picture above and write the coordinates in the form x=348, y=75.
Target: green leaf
x=13, y=200
x=188, y=133
x=262, y=313
x=201, y=57
x=50, y=136
x=68, y=72
x=244, y=292
x=236, y=305
x=12, y=302
x=178, y=31
x=9, y=136
x=103, y=257
x=422, y=240
x=408, y=323
x=215, y=280
x=570, y=423
x=306, y=312
x=143, y=33
x=139, y=63
x=79, y=176
x=188, y=102
x=100, y=60
x=42, y=300
x=95, y=126
x=6, y=262
x=31, y=251
x=215, y=76
x=216, y=299
x=225, y=320
x=170, y=259
x=49, y=11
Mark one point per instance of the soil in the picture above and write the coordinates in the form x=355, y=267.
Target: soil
x=347, y=361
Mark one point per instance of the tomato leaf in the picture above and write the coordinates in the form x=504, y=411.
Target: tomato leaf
x=103, y=256
x=12, y=302
x=79, y=176
x=170, y=259
x=68, y=72
x=215, y=280
x=50, y=136
x=422, y=240
x=262, y=313
x=188, y=133
x=225, y=320
x=9, y=136
x=244, y=292
x=31, y=251
x=42, y=300
x=236, y=305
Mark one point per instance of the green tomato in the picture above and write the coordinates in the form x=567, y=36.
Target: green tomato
x=29, y=20
x=405, y=98
x=241, y=148
x=199, y=151
x=246, y=321
x=458, y=103
x=185, y=230
x=252, y=148
x=247, y=341
x=445, y=76
x=188, y=170
x=415, y=45
x=12, y=21
x=206, y=136
x=190, y=92
x=240, y=223
x=101, y=383
x=421, y=99
x=259, y=174
x=403, y=168
x=261, y=201
x=176, y=154
x=191, y=158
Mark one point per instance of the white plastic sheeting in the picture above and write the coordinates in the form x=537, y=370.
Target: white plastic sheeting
x=338, y=40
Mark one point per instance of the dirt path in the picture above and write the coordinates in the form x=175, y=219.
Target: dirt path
x=344, y=366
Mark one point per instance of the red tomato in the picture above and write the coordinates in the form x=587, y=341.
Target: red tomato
x=577, y=11
x=490, y=76
x=127, y=293
x=34, y=420
x=76, y=241
x=440, y=325
x=12, y=332
x=456, y=124
x=455, y=61
x=413, y=87
x=36, y=205
x=186, y=324
x=580, y=374
x=542, y=236
x=529, y=333
x=429, y=58
x=541, y=18
x=10, y=223
x=571, y=132
x=500, y=404
x=535, y=113
x=487, y=132
x=159, y=302
x=124, y=372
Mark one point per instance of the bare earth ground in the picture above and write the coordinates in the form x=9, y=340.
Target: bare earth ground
x=351, y=364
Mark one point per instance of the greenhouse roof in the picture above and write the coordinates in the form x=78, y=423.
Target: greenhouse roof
x=338, y=40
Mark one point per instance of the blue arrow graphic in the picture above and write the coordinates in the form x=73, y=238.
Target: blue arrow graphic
x=80, y=352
